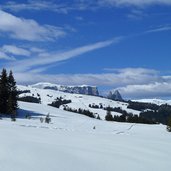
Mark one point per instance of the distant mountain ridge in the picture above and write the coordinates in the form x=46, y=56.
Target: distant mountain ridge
x=83, y=89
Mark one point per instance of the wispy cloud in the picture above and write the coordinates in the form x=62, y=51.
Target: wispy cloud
x=25, y=29
x=133, y=71
x=137, y=3
x=5, y=56
x=39, y=5
x=32, y=5
x=78, y=5
x=14, y=50
x=160, y=29
x=137, y=14
x=52, y=57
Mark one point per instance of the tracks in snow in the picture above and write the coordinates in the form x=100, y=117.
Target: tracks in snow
x=127, y=130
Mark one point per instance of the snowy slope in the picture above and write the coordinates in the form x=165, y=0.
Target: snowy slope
x=78, y=101
x=70, y=143
x=155, y=101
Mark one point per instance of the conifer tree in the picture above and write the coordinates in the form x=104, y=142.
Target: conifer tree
x=4, y=93
x=12, y=99
x=98, y=117
x=109, y=116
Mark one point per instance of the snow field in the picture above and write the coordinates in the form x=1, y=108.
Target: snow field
x=70, y=143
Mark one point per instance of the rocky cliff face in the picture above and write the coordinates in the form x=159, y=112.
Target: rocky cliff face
x=114, y=95
x=84, y=89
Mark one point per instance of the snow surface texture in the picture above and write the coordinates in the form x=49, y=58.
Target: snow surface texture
x=70, y=143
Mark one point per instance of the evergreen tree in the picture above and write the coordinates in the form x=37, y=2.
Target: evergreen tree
x=98, y=117
x=12, y=99
x=109, y=116
x=4, y=93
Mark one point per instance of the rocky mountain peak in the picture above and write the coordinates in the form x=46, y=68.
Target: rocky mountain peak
x=115, y=95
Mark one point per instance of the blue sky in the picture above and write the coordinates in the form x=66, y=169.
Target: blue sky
x=113, y=44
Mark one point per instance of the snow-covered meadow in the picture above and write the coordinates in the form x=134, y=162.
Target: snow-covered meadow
x=69, y=143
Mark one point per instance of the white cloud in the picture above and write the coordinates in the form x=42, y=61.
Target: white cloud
x=26, y=29
x=50, y=58
x=119, y=78
x=153, y=90
x=38, y=5
x=138, y=3
x=11, y=49
x=137, y=14
x=5, y=56
x=133, y=71
x=69, y=79
x=78, y=5
x=159, y=29
x=30, y=5
x=132, y=76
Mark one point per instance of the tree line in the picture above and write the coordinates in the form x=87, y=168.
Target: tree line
x=130, y=118
x=8, y=94
x=80, y=111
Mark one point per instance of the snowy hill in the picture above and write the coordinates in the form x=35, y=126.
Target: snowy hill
x=74, y=142
x=70, y=143
x=83, y=89
x=47, y=96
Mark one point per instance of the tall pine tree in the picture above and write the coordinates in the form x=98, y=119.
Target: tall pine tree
x=4, y=93
x=12, y=98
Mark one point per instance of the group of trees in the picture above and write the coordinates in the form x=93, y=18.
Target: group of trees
x=81, y=111
x=142, y=106
x=8, y=94
x=94, y=106
x=30, y=99
x=59, y=101
x=127, y=118
x=161, y=115
x=117, y=109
